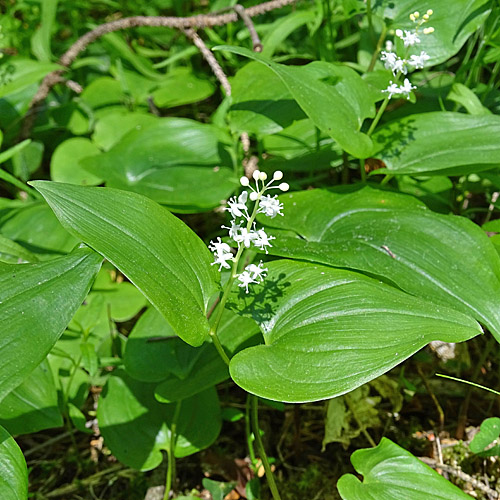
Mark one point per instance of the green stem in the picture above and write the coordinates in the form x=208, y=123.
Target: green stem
x=229, y=286
x=380, y=112
x=171, y=451
x=248, y=430
x=261, y=450
x=378, y=48
x=18, y=184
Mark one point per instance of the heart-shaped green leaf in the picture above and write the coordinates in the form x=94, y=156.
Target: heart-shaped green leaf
x=155, y=250
x=328, y=331
x=439, y=143
x=334, y=96
x=13, y=470
x=136, y=427
x=27, y=293
x=489, y=431
x=391, y=472
x=395, y=236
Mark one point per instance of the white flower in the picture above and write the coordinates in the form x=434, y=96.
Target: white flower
x=409, y=37
x=395, y=89
x=257, y=271
x=245, y=279
x=393, y=62
x=262, y=240
x=406, y=88
x=233, y=230
x=222, y=253
x=270, y=206
x=237, y=207
x=245, y=236
x=418, y=61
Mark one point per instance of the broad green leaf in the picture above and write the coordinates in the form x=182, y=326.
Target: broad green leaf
x=328, y=331
x=23, y=73
x=178, y=162
x=153, y=351
x=261, y=102
x=13, y=470
x=453, y=22
x=464, y=96
x=28, y=160
x=395, y=236
x=182, y=87
x=136, y=427
x=208, y=370
x=13, y=253
x=488, y=432
x=34, y=226
x=27, y=293
x=334, y=96
x=439, y=143
x=391, y=472
x=32, y=406
x=157, y=252
x=283, y=27
x=110, y=128
x=65, y=163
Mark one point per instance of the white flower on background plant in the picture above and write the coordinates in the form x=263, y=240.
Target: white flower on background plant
x=237, y=206
x=409, y=38
x=257, y=272
x=222, y=252
x=245, y=237
x=403, y=90
x=418, y=62
x=393, y=62
x=262, y=240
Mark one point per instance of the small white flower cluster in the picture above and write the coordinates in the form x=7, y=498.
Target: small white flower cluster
x=399, y=65
x=242, y=229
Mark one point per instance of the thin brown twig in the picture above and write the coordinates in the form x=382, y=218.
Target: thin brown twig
x=198, y=21
x=210, y=58
x=458, y=472
x=240, y=10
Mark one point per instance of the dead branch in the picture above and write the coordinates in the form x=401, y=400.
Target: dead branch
x=198, y=21
x=257, y=44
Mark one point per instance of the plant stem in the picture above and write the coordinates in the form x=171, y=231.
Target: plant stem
x=381, y=39
x=229, y=286
x=380, y=112
x=260, y=448
x=248, y=430
x=171, y=451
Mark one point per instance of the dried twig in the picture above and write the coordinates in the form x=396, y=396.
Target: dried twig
x=199, y=21
x=458, y=472
x=257, y=44
x=210, y=58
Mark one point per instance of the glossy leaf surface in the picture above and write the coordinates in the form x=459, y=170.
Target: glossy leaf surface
x=136, y=427
x=334, y=96
x=27, y=292
x=328, y=331
x=13, y=470
x=154, y=249
x=395, y=236
x=32, y=406
x=440, y=142
x=391, y=472
x=174, y=161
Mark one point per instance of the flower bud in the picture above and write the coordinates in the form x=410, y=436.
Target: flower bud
x=263, y=176
x=244, y=181
x=284, y=186
x=253, y=195
x=256, y=175
x=278, y=175
x=430, y=12
x=428, y=31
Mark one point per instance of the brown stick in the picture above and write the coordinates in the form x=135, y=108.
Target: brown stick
x=199, y=21
x=210, y=58
x=257, y=44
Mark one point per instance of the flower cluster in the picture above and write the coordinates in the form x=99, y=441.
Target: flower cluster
x=243, y=230
x=400, y=65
